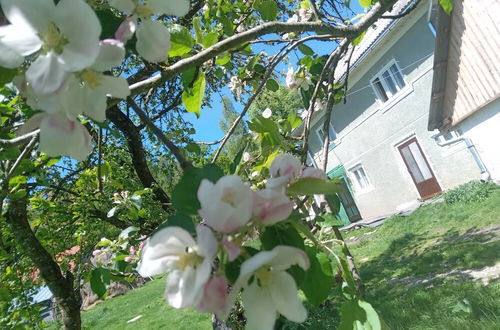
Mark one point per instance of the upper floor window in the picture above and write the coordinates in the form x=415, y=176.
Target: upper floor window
x=388, y=82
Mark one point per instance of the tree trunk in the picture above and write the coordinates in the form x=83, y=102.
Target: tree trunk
x=60, y=286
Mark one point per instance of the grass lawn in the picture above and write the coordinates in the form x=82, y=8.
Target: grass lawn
x=417, y=269
x=417, y=272
x=149, y=302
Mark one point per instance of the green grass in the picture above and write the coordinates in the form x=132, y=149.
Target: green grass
x=149, y=302
x=436, y=239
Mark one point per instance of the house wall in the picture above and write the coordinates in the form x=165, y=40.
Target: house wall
x=368, y=133
x=483, y=128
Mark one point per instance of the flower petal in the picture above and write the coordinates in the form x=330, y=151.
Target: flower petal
x=153, y=41
x=179, y=284
x=126, y=30
x=125, y=6
x=207, y=243
x=111, y=54
x=259, y=309
x=214, y=295
x=162, y=249
x=34, y=15
x=169, y=7
x=284, y=295
x=62, y=136
x=286, y=256
x=9, y=58
x=80, y=25
x=19, y=40
x=115, y=86
x=45, y=74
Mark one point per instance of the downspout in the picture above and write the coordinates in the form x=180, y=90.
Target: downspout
x=485, y=174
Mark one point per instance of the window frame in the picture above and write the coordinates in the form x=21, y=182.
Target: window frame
x=319, y=134
x=389, y=95
x=352, y=173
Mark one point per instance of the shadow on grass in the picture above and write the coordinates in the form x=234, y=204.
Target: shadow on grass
x=405, y=301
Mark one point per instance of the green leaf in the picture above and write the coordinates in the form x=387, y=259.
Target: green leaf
x=179, y=220
x=272, y=85
x=127, y=232
x=316, y=284
x=184, y=196
x=281, y=234
x=194, y=148
x=6, y=75
x=334, y=203
x=266, y=126
x=328, y=220
x=306, y=50
x=447, y=5
x=365, y=3
x=198, y=31
x=358, y=39
x=187, y=77
x=193, y=97
x=294, y=119
x=9, y=153
x=360, y=315
x=237, y=159
x=181, y=40
x=312, y=186
x=223, y=59
x=99, y=281
x=268, y=10
x=210, y=39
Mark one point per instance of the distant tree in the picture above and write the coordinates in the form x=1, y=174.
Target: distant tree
x=240, y=137
x=281, y=102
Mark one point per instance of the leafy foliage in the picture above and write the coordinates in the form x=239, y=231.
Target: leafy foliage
x=470, y=192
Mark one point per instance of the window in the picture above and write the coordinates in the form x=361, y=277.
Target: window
x=321, y=134
x=448, y=136
x=359, y=175
x=388, y=82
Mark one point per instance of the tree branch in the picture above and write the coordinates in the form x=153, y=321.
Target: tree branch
x=184, y=163
x=343, y=31
x=18, y=140
x=136, y=150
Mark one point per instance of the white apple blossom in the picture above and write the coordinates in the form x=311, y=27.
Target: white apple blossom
x=60, y=135
x=267, y=113
x=299, y=79
x=233, y=250
x=290, y=78
x=87, y=90
x=285, y=165
x=268, y=289
x=271, y=206
x=246, y=156
x=236, y=86
x=189, y=263
x=305, y=14
x=153, y=38
x=67, y=35
x=225, y=205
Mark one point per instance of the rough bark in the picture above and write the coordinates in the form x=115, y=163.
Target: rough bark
x=60, y=286
x=138, y=154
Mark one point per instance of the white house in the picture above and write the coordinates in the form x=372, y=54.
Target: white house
x=381, y=146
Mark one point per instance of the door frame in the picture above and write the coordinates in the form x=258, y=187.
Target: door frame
x=406, y=142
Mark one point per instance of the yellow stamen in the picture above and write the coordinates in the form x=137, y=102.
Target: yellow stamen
x=263, y=276
x=143, y=11
x=92, y=78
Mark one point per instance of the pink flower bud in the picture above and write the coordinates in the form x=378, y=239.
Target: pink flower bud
x=232, y=249
x=95, y=253
x=141, y=246
x=285, y=165
x=132, y=249
x=128, y=259
x=271, y=206
x=125, y=193
x=215, y=295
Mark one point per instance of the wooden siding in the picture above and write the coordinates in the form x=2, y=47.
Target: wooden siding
x=473, y=73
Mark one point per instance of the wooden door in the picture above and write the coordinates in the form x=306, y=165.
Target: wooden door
x=348, y=202
x=419, y=169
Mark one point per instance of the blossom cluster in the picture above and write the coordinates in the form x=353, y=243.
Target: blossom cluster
x=62, y=64
x=298, y=79
x=231, y=211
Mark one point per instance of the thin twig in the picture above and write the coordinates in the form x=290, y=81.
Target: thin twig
x=18, y=140
x=273, y=64
x=184, y=163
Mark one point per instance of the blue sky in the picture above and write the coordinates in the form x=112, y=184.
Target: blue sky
x=207, y=126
